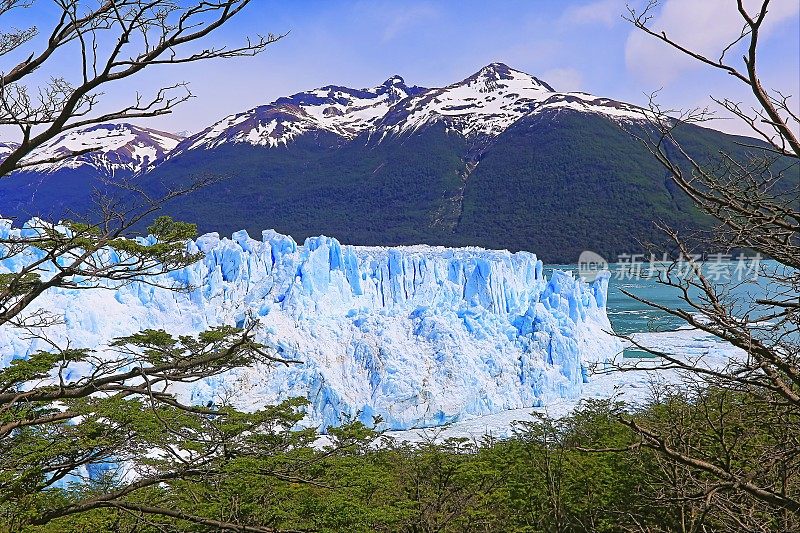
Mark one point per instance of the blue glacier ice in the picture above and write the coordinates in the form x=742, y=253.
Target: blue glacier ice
x=419, y=335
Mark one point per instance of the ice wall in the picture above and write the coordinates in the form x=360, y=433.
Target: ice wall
x=419, y=335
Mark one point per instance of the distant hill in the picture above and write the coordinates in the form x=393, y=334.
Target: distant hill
x=53, y=190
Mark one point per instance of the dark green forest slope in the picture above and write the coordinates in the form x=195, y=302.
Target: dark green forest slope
x=555, y=183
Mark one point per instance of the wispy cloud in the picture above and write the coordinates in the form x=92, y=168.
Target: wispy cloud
x=706, y=27
x=603, y=12
x=564, y=79
x=397, y=19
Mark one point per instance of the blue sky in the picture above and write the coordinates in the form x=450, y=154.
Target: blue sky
x=572, y=44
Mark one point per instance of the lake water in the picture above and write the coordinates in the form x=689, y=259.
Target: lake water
x=630, y=316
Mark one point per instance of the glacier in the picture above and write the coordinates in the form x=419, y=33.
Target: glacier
x=421, y=336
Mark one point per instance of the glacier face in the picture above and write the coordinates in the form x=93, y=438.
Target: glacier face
x=419, y=335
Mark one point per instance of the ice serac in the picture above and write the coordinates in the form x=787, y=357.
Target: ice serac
x=419, y=335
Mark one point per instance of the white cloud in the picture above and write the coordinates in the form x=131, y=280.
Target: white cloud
x=403, y=19
x=564, y=79
x=703, y=26
x=605, y=12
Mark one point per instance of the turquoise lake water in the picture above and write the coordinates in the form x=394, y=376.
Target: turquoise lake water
x=630, y=316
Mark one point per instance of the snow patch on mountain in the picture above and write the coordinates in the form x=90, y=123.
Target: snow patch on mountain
x=489, y=101
x=587, y=103
x=420, y=335
x=340, y=110
x=110, y=149
x=6, y=148
x=484, y=104
x=264, y=126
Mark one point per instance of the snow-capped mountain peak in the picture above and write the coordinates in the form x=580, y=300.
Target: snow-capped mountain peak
x=395, y=88
x=489, y=101
x=340, y=110
x=113, y=148
x=393, y=80
x=483, y=104
x=486, y=103
x=497, y=76
x=6, y=148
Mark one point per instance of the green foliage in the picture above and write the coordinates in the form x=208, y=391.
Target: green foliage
x=158, y=347
x=121, y=415
x=168, y=250
x=167, y=230
x=580, y=473
x=16, y=285
x=36, y=366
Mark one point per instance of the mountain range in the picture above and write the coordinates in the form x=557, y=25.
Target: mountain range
x=500, y=159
